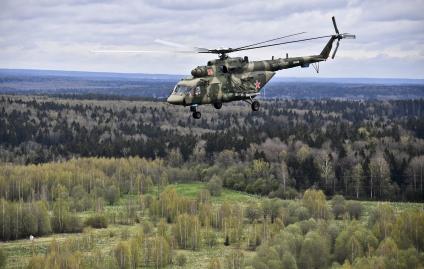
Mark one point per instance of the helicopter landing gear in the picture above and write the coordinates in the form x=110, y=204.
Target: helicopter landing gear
x=255, y=105
x=217, y=105
x=196, y=114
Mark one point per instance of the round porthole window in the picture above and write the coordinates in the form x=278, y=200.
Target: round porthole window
x=197, y=91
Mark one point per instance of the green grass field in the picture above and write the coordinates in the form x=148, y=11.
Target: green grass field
x=191, y=189
x=20, y=251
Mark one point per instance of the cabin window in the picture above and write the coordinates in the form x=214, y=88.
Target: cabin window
x=224, y=69
x=181, y=89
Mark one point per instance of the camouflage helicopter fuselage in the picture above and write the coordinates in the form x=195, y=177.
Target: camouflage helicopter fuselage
x=230, y=79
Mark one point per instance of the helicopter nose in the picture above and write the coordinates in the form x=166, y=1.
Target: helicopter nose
x=175, y=99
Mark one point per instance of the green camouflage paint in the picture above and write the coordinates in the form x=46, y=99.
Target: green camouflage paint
x=231, y=79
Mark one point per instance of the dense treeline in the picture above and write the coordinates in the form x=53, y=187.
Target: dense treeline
x=283, y=234
x=19, y=220
x=367, y=150
x=79, y=179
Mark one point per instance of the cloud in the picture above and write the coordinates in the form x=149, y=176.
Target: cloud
x=190, y=4
x=60, y=34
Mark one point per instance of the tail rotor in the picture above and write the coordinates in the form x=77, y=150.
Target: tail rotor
x=339, y=37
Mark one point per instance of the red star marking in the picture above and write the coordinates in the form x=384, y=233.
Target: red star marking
x=257, y=85
x=210, y=72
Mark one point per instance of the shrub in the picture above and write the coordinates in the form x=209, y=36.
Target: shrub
x=215, y=186
x=339, y=205
x=302, y=213
x=97, y=221
x=210, y=238
x=123, y=255
x=354, y=209
x=227, y=241
x=147, y=227
x=203, y=196
x=148, y=200
x=36, y=262
x=214, y=264
x=314, y=252
x=353, y=242
x=181, y=259
x=73, y=224
x=288, y=261
x=3, y=258
x=252, y=212
x=112, y=233
x=315, y=201
x=112, y=194
x=290, y=193
x=307, y=225
x=125, y=234
x=234, y=259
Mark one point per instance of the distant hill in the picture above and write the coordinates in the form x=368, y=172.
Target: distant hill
x=382, y=81
x=159, y=85
x=83, y=74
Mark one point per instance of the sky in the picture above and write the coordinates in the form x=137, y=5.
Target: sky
x=61, y=35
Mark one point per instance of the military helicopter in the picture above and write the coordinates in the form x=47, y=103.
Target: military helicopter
x=228, y=79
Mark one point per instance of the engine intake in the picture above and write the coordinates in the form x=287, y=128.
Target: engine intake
x=201, y=71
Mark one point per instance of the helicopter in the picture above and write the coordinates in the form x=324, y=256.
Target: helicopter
x=229, y=79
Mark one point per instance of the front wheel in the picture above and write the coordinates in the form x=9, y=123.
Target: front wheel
x=255, y=105
x=197, y=115
x=217, y=105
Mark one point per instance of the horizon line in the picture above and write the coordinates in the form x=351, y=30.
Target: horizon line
x=185, y=75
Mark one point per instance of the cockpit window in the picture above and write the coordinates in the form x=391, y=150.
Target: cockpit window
x=181, y=89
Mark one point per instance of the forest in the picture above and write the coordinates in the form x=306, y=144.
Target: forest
x=371, y=150
x=98, y=181
x=136, y=213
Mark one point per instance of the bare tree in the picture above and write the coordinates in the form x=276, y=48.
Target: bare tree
x=324, y=162
x=416, y=174
x=379, y=175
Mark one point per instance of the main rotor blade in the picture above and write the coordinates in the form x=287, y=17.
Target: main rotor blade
x=143, y=51
x=335, y=25
x=274, y=39
x=200, y=50
x=170, y=43
x=335, y=50
x=181, y=46
x=281, y=43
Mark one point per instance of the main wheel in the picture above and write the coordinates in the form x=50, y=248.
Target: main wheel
x=217, y=105
x=197, y=115
x=255, y=105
